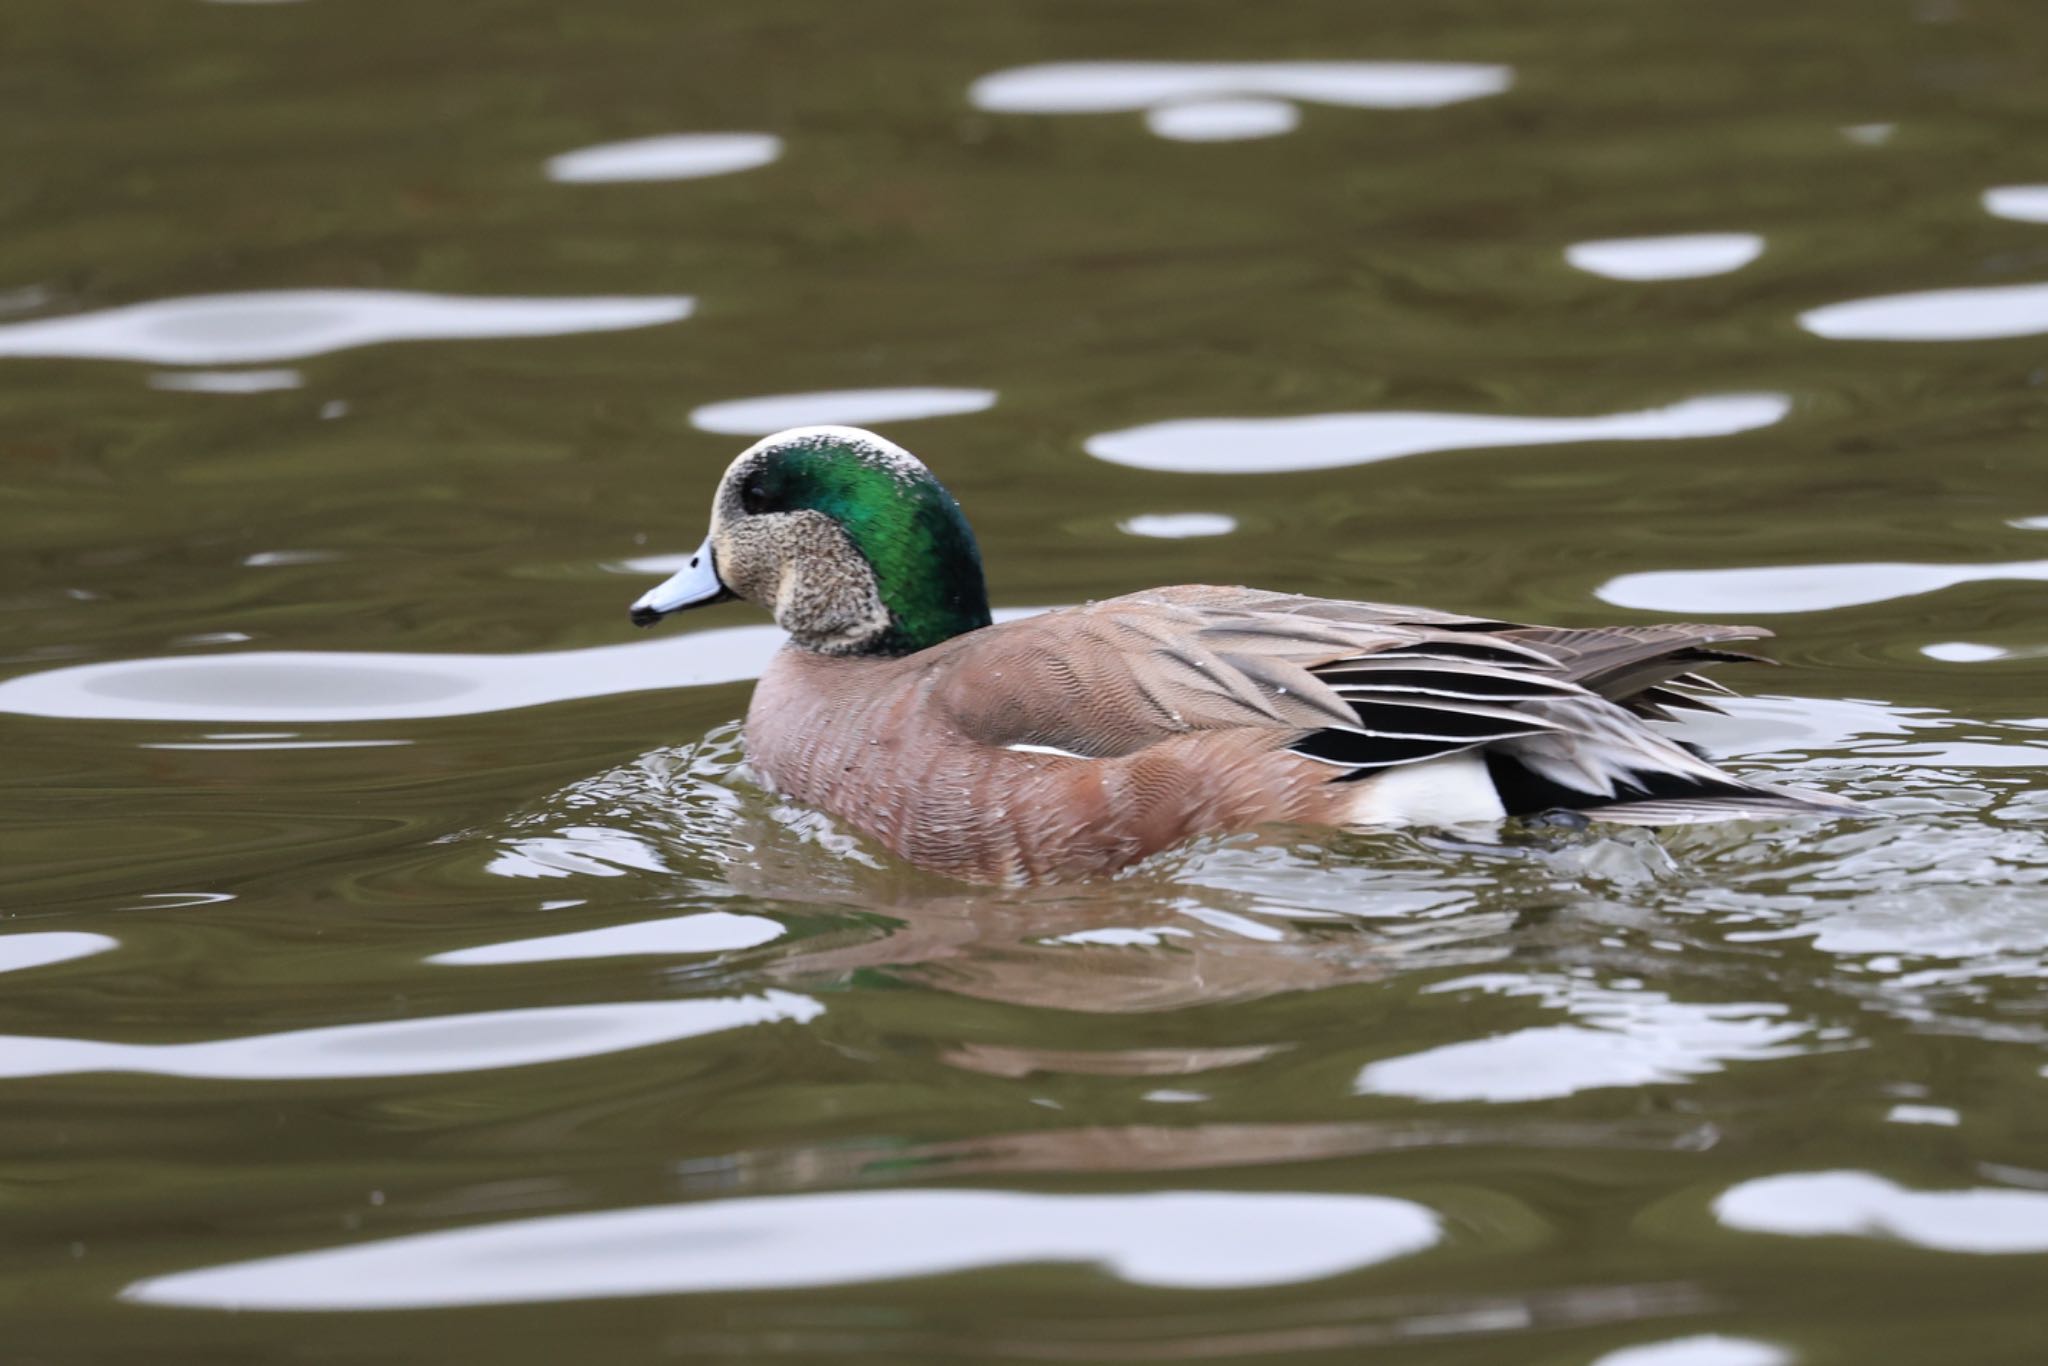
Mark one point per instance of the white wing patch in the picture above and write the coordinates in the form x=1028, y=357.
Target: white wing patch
x=1046, y=749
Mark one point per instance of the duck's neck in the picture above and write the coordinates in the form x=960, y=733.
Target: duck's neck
x=931, y=596
x=927, y=569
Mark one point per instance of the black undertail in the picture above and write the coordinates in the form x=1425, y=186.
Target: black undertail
x=1524, y=792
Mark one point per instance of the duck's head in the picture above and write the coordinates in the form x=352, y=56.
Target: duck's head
x=845, y=537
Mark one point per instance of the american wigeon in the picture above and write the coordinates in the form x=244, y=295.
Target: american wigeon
x=1075, y=742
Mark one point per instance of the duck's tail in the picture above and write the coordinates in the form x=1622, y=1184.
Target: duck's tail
x=1620, y=771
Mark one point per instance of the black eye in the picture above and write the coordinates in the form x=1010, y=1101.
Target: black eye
x=753, y=496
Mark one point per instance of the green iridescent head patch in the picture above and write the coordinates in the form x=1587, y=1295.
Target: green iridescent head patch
x=902, y=520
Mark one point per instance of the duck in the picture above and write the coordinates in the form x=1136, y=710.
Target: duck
x=1074, y=743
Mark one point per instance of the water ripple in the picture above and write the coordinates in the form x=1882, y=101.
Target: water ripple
x=2022, y=203
x=1800, y=588
x=1981, y=314
x=1683, y=257
x=40, y=948
x=1113, y=87
x=669, y=156
x=238, y=329
x=1852, y=1204
x=1236, y=120
x=316, y=686
x=409, y=1048
x=705, y=932
x=1707, y=1349
x=1190, y=1240
x=1272, y=445
x=1631, y=1038
x=1173, y=526
x=768, y=413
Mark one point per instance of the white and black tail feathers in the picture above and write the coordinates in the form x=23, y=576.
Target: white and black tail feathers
x=1558, y=716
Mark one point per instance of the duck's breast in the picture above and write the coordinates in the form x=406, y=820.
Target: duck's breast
x=860, y=739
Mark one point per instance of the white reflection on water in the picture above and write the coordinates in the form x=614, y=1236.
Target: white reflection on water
x=2024, y=203
x=1707, y=1349
x=670, y=156
x=578, y=851
x=1964, y=652
x=236, y=746
x=311, y=686
x=1943, y=1116
x=1666, y=258
x=226, y=381
x=709, y=932
x=40, y=948
x=1266, y=445
x=1631, y=1038
x=1908, y=737
x=1112, y=87
x=1193, y=1240
x=409, y=1048
x=1799, y=588
x=1223, y=120
x=239, y=329
x=768, y=413
x=1175, y=526
x=1986, y=1220
x=1936, y=315
x=1915, y=910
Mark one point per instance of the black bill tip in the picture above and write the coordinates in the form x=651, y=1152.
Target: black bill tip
x=647, y=616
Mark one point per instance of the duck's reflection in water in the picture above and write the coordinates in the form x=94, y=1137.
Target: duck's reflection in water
x=1218, y=921
x=1205, y=925
x=1116, y=955
x=1058, y=986
x=1106, y=1148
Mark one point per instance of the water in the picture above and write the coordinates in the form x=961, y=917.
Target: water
x=394, y=955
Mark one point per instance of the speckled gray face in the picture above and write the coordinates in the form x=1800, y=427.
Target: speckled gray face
x=798, y=561
x=804, y=569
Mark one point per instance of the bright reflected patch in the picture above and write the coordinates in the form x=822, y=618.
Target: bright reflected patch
x=307, y=686
x=1799, y=588
x=1269, y=445
x=1112, y=87
x=1630, y=1038
x=1964, y=652
x=1223, y=120
x=770, y=413
x=1941, y=1116
x=1937, y=315
x=1190, y=1240
x=1851, y=1204
x=1707, y=1349
x=1666, y=258
x=710, y=932
x=578, y=851
x=2023, y=203
x=670, y=156
x=312, y=686
x=40, y=948
x=1173, y=526
x=226, y=381
x=411, y=1048
x=239, y=329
